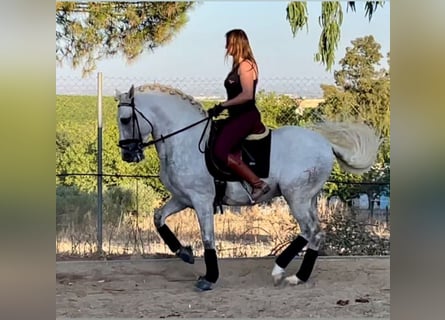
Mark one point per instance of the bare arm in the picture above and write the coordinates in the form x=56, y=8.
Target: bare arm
x=247, y=74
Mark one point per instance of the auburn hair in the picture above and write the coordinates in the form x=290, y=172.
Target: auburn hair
x=237, y=45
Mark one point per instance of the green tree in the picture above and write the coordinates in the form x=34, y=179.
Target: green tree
x=76, y=148
x=361, y=88
x=361, y=93
x=276, y=109
x=89, y=31
x=330, y=20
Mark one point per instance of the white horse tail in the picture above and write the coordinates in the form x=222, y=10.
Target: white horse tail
x=355, y=145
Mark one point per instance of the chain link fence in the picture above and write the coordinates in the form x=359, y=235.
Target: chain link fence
x=132, y=194
x=198, y=87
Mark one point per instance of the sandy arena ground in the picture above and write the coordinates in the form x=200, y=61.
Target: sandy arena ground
x=340, y=287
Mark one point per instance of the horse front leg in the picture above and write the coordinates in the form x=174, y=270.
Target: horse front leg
x=206, y=223
x=172, y=206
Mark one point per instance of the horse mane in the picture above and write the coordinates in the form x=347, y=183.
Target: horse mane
x=172, y=91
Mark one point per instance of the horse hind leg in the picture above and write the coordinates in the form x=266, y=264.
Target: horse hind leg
x=305, y=213
x=171, y=207
x=315, y=236
x=282, y=261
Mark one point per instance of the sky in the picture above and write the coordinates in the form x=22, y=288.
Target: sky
x=196, y=54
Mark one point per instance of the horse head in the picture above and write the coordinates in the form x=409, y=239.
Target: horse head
x=158, y=110
x=134, y=127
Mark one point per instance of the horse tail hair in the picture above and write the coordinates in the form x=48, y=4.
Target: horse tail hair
x=355, y=145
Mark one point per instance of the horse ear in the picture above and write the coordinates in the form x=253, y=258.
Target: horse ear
x=117, y=94
x=131, y=92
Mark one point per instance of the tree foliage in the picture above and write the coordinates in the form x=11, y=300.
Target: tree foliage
x=361, y=93
x=89, y=31
x=330, y=20
x=276, y=110
x=76, y=147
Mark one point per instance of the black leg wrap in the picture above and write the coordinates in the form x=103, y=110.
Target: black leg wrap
x=307, y=265
x=169, y=238
x=211, y=261
x=291, y=251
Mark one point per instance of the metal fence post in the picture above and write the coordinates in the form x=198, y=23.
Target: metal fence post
x=99, y=162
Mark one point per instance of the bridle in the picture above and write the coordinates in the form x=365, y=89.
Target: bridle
x=138, y=141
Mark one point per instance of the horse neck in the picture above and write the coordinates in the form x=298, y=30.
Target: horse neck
x=169, y=114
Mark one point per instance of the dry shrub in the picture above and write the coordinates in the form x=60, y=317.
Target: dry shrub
x=255, y=231
x=350, y=233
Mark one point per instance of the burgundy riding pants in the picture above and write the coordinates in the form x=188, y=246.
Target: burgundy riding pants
x=234, y=131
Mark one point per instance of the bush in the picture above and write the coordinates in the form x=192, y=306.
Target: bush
x=346, y=235
x=73, y=207
x=277, y=110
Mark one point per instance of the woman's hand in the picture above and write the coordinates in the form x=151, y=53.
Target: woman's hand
x=215, y=110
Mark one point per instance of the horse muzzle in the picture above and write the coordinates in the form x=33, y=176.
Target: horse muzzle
x=132, y=150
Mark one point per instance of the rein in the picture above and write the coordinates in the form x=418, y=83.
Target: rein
x=162, y=138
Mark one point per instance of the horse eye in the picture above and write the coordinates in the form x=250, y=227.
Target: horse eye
x=125, y=120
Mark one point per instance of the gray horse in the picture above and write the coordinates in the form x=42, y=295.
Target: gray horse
x=301, y=161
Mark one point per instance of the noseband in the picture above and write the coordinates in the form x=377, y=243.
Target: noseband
x=137, y=143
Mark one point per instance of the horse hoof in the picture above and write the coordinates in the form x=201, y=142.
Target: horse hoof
x=278, y=279
x=186, y=254
x=293, y=280
x=203, y=285
x=277, y=275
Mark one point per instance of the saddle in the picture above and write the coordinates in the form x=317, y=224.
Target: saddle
x=255, y=152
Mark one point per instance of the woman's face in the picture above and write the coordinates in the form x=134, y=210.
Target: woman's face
x=228, y=46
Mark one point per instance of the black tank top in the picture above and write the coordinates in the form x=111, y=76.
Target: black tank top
x=234, y=88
